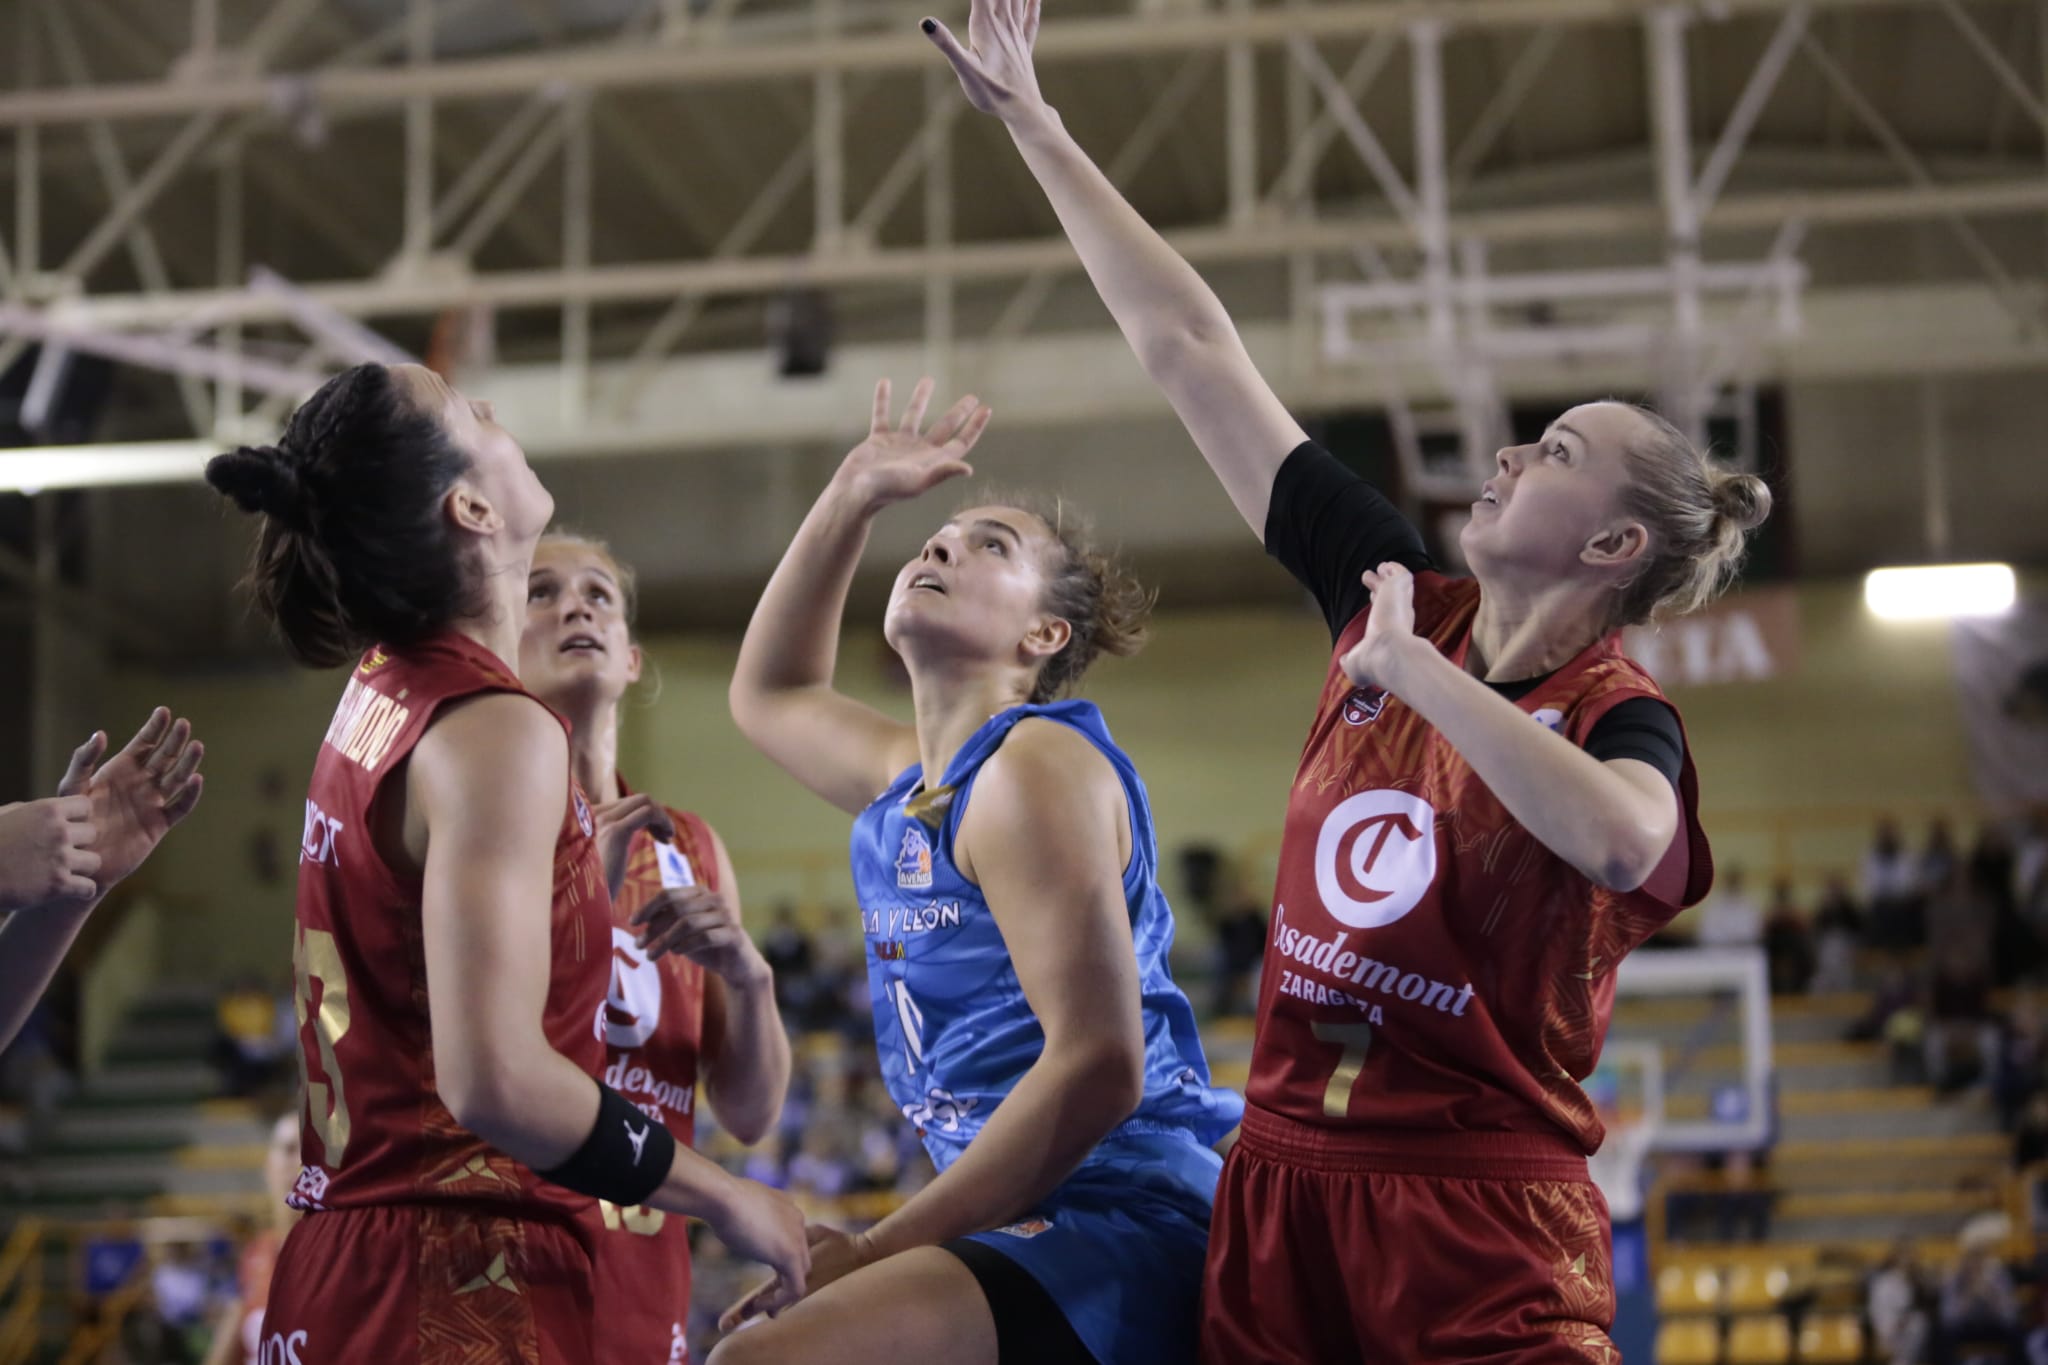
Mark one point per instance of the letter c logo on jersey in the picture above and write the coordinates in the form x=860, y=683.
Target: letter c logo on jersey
x=1375, y=857
x=632, y=1007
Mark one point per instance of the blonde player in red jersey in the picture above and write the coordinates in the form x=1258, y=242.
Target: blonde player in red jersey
x=1494, y=806
x=453, y=929
x=690, y=995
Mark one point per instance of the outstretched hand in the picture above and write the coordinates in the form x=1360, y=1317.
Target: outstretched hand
x=139, y=793
x=994, y=66
x=897, y=462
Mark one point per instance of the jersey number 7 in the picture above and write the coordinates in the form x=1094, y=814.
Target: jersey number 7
x=1356, y=1040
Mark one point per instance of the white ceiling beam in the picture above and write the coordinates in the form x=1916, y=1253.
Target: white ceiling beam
x=721, y=402
x=967, y=262
x=731, y=60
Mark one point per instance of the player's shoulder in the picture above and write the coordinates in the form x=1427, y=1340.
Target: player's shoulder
x=1041, y=752
x=493, y=736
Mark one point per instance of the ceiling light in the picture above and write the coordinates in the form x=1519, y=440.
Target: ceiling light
x=1938, y=592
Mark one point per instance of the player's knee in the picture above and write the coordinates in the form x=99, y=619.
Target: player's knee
x=760, y=1344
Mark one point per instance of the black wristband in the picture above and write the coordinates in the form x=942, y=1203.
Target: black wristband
x=625, y=1158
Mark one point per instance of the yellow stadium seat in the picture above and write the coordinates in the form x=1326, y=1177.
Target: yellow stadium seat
x=1831, y=1339
x=1688, y=1287
x=1759, y=1340
x=1689, y=1341
x=1756, y=1287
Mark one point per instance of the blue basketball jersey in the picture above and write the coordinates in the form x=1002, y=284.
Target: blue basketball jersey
x=954, y=1030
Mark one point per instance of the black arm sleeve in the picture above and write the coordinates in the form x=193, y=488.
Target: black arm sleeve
x=1644, y=729
x=1327, y=526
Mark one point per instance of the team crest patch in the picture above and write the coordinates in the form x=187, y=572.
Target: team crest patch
x=1549, y=717
x=1364, y=704
x=582, y=808
x=914, y=862
x=1027, y=1229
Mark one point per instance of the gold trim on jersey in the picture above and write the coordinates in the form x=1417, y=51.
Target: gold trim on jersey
x=929, y=808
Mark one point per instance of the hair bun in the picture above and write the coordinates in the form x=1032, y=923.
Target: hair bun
x=261, y=479
x=1743, y=499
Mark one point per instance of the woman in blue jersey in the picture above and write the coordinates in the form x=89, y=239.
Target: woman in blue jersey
x=1016, y=940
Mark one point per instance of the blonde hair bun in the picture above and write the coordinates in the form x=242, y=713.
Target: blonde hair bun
x=1744, y=499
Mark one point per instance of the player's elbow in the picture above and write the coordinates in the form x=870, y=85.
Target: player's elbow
x=1183, y=347
x=747, y=701
x=482, y=1090
x=747, y=1119
x=1630, y=854
x=1112, y=1074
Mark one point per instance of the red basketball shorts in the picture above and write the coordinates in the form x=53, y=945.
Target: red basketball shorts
x=1340, y=1248
x=428, y=1285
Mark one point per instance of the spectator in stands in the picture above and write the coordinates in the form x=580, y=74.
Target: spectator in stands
x=2030, y=1137
x=1994, y=877
x=1895, y=1302
x=249, y=1047
x=2020, y=1059
x=1788, y=943
x=790, y=955
x=822, y=1167
x=1962, y=1037
x=1939, y=859
x=2030, y=863
x=1731, y=918
x=1979, y=1306
x=1891, y=890
x=128, y=804
x=1837, y=930
x=1240, y=950
x=1897, y=1016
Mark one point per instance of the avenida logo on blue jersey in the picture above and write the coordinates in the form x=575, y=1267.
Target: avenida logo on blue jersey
x=914, y=863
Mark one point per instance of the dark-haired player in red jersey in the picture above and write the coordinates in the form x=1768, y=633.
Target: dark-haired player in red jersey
x=691, y=997
x=1493, y=807
x=453, y=928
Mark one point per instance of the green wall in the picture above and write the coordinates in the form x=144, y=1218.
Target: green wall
x=1213, y=711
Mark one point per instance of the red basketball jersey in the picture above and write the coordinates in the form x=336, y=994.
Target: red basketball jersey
x=1431, y=965
x=374, y=1129
x=655, y=1031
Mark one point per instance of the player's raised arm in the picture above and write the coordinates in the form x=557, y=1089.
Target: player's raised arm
x=781, y=695
x=488, y=783
x=1173, y=320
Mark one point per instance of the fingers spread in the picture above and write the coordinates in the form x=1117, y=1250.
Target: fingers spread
x=180, y=804
x=84, y=759
x=152, y=730
x=182, y=771
x=920, y=399
x=168, y=750
x=956, y=418
x=971, y=433
x=880, y=422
